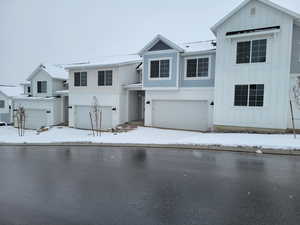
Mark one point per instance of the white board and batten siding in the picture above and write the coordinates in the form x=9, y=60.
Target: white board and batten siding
x=274, y=74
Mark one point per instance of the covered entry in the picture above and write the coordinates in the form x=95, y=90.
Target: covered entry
x=180, y=114
x=83, y=121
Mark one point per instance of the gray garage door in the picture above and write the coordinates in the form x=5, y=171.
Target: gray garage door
x=189, y=115
x=83, y=121
x=35, y=118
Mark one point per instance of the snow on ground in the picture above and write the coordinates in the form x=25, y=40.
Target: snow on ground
x=143, y=135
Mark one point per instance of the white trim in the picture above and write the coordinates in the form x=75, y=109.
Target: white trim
x=161, y=52
x=178, y=74
x=198, y=78
x=244, y=3
x=161, y=89
x=159, y=59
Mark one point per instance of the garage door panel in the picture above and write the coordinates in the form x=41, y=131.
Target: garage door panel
x=34, y=118
x=83, y=121
x=189, y=115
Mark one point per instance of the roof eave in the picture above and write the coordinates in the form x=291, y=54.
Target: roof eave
x=101, y=65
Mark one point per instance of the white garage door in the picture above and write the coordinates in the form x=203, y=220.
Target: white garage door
x=35, y=118
x=189, y=115
x=83, y=121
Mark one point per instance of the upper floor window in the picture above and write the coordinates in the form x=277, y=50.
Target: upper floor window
x=197, y=67
x=80, y=79
x=249, y=95
x=105, y=78
x=160, y=68
x=42, y=87
x=2, y=104
x=251, y=51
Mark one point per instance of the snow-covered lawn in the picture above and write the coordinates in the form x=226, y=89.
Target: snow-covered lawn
x=143, y=135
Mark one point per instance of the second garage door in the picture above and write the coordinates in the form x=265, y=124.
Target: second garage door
x=189, y=115
x=35, y=118
x=83, y=121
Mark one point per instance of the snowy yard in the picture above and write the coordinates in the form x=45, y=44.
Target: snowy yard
x=143, y=135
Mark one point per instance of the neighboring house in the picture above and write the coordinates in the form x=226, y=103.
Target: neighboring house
x=178, y=80
x=109, y=79
x=46, y=97
x=7, y=93
x=258, y=61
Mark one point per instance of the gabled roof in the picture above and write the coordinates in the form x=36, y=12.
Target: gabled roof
x=56, y=71
x=245, y=2
x=163, y=39
x=11, y=91
x=107, y=61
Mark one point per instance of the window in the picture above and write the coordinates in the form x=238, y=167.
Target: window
x=256, y=95
x=105, y=78
x=80, y=79
x=249, y=95
x=160, y=68
x=198, y=67
x=42, y=87
x=251, y=51
x=2, y=104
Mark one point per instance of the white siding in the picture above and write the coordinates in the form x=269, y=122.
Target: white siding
x=109, y=96
x=274, y=74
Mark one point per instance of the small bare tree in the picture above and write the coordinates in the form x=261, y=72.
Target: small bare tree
x=20, y=117
x=96, y=117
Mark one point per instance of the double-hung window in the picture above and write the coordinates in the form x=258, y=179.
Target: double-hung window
x=105, y=78
x=2, y=104
x=80, y=79
x=251, y=51
x=197, y=67
x=160, y=69
x=42, y=87
x=249, y=95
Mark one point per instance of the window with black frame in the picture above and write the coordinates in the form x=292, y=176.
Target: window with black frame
x=160, y=68
x=254, y=51
x=41, y=87
x=80, y=79
x=249, y=95
x=105, y=78
x=197, y=67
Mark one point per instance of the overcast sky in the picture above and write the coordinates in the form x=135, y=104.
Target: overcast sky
x=62, y=31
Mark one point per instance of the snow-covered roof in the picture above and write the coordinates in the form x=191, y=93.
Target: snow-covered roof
x=62, y=92
x=187, y=47
x=266, y=2
x=106, y=61
x=56, y=71
x=198, y=46
x=11, y=91
x=137, y=86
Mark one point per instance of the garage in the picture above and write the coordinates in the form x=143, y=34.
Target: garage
x=83, y=121
x=180, y=114
x=35, y=118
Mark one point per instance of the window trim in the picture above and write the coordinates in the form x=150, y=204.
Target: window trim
x=159, y=59
x=248, y=97
x=251, y=40
x=197, y=57
x=112, y=78
x=37, y=87
x=80, y=86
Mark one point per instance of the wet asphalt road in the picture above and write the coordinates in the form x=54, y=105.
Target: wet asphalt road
x=112, y=186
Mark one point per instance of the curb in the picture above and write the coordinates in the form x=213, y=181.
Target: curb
x=169, y=146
